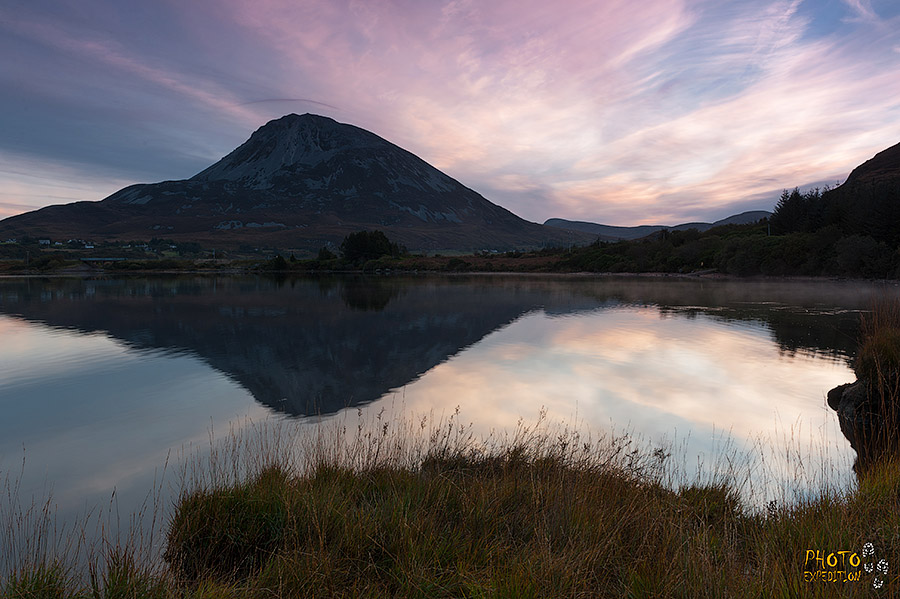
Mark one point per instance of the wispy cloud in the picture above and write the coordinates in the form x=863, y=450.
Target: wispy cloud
x=108, y=53
x=862, y=11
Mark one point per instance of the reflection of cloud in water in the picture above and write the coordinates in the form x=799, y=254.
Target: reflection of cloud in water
x=691, y=381
x=92, y=416
x=33, y=352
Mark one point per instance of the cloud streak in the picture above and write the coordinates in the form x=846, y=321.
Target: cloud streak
x=106, y=54
x=862, y=10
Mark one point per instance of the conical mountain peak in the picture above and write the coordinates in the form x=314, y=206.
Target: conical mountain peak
x=285, y=145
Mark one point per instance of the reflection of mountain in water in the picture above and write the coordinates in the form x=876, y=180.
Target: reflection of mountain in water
x=318, y=345
x=300, y=346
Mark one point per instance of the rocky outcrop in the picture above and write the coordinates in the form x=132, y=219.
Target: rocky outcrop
x=867, y=421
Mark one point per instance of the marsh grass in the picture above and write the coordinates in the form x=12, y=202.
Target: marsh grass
x=878, y=361
x=427, y=508
x=98, y=555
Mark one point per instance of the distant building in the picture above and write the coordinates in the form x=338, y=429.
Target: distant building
x=44, y=241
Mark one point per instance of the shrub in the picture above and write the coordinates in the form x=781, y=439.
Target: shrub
x=862, y=255
x=457, y=265
x=228, y=532
x=369, y=245
x=276, y=263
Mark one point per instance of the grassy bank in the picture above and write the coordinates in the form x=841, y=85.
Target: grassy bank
x=421, y=510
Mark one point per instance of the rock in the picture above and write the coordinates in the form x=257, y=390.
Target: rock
x=865, y=421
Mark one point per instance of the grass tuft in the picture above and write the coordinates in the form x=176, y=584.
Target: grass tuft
x=124, y=578
x=229, y=532
x=50, y=581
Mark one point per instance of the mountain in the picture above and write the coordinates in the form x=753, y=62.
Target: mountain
x=300, y=182
x=614, y=233
x=884, y=167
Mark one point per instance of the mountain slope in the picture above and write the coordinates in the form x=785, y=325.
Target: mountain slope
x=300, y=182
x=867, y=204
x=883, y=167
x=614, y=233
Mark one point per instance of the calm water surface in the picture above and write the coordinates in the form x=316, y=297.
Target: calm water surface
x=100, y=380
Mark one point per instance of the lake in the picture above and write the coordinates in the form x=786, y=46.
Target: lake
x=102, y=381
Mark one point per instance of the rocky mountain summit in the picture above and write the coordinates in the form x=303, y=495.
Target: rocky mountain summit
x=301, y=181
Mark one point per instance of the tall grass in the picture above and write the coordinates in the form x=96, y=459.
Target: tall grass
x=427, y=508
x=97, y=555
x=879, y=356
x=878, y=368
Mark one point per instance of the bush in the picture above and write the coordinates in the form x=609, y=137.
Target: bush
x=276, y=263
x=369, y=245
x=50, y=262
x=457, y=265
x=862, y=255
x=228, y=532
x=325, y=254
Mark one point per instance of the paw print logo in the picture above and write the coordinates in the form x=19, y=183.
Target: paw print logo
x=880, y=569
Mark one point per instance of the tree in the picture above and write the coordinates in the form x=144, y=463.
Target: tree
x=276, y=263
x=789, y=212
x=369, y=245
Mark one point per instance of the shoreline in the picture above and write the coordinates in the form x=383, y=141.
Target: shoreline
x=703, y=275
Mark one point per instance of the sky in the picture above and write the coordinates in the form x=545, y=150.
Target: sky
x=611, y=111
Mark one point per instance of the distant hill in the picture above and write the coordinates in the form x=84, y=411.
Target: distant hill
x=300, y=182
x=613, y=233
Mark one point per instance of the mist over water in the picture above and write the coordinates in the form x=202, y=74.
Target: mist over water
x=104, y=381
